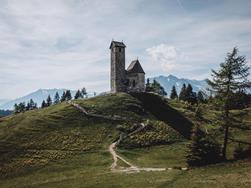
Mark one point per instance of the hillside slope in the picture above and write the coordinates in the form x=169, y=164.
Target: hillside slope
x=59, y=146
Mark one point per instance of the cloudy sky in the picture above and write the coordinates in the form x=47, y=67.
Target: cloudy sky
x=65, y=43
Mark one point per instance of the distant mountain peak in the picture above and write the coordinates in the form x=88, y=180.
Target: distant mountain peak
x=169, y=81
x=37, y=96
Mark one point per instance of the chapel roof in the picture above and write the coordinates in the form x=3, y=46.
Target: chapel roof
x=135, y=67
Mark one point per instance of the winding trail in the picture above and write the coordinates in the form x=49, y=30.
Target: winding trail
x=131, y=168
x=112, y=148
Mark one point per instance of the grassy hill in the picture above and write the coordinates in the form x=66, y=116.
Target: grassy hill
x=60, y=147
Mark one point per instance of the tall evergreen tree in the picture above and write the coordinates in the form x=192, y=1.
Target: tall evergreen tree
x=173, y=94
x=48, y=101
x=68, y=95
x=84, y=92
x=31, y=105
x=230, y=78
x=28, y=106
x=63, y=97
x=200, y=97
x=18, y=108
x=56, y=98
x=148, y=85
x=182, y=92
x=43, y=105
x=189, y=95
x=78, y=95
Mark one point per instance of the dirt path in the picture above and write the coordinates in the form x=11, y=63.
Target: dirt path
x=112, y=148
x=131, y=168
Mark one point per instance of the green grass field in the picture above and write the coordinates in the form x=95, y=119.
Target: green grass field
x=59, y=147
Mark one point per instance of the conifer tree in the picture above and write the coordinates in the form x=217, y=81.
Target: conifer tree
x=173, y=94
x=31, y=105
x=28, y=107
x=189, y=95
x=21, y=107
x=68, y=95
x=148, y=85
x=182, y=92
x=230, y=78
x=56, y=98
x=63, y=97
x=43, y=105
x=84, y=92
x=16, y=110
x=200, y=97
x=78, y=95
x=202, y=150
x=48, y=101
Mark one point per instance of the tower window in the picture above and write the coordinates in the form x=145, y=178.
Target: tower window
x=133, y=83
x=119, y=49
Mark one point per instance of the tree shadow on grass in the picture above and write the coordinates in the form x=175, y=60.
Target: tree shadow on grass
x=163, y=112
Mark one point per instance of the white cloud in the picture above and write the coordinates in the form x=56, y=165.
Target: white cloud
x=167, y=56
x=65, y=43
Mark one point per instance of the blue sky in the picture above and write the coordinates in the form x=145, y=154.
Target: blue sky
x=65, y=43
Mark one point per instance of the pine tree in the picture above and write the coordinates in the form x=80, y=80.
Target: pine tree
x=148, y=85
x=157, y=88
x=78, y=95
x=84, y=92
x=56, y=98
x=182, y=92
x=22, y=107
x=200, y=97
x=32, y=105
x=63, y=97
x=28, y=106
x=202, y=150
x=16, y=108
x=43, y=105
x=48, y=101
x=68, y=95
x=231, y=78
x=173, y=94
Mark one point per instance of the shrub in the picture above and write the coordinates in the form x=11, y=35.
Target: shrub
x=202, y=150
x=242, y=153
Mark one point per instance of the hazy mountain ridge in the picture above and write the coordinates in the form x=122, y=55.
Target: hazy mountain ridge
x=37, y=96
x=169, y=81
x=166, y=81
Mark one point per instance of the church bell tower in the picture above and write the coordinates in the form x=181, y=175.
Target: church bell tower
x=118, y=73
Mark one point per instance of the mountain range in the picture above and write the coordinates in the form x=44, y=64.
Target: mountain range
x=166, y=81
x=37, y=96
x=169, y=81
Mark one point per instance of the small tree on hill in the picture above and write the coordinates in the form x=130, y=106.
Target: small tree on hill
x=78, y=95
x=63, y=97
x=202, y=150
x=173, y=94
x=182, y=92
x=68, y=95
x=18, y=108
x=43, y=105
x=31, y=105
x=148, y=85
x=156, y=88
x=48, y=101
x=231, y=78
x=200, y=97
x=84, y=92
x=56, y=98
x=189, y=95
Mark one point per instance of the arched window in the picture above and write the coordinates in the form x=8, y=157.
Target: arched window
x=133, y=83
